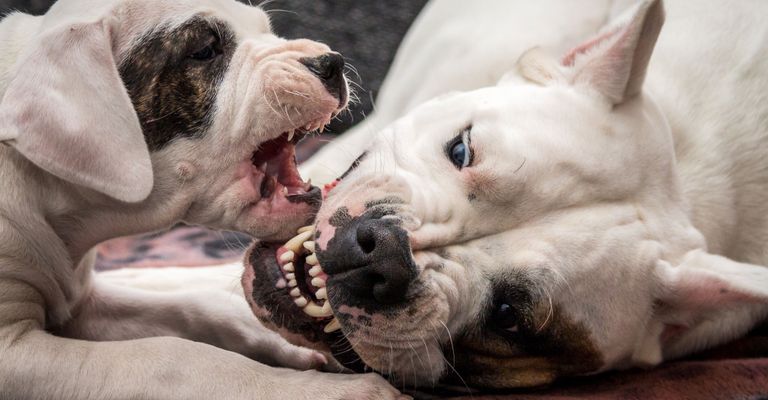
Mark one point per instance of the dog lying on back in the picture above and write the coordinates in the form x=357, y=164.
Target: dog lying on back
x=120, y=117
x=601, y=210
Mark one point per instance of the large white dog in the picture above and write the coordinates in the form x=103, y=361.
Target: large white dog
x=604, y=205
x=125, y=116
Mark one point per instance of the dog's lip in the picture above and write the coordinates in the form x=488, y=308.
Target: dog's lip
x=286, y=315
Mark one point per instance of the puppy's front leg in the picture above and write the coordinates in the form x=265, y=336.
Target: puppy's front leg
x=200, y=304
x=38, y=365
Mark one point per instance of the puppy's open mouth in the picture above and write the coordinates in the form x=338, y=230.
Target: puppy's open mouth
x=275, y=162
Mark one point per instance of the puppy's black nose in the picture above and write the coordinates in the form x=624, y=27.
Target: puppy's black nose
x=372, y=259
x=330, y=69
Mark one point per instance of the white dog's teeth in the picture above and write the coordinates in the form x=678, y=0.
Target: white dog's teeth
x=317, y=282
x=322, y=294
x=287, y=256
x=312, y=260
x=292, y=283
x=313, y=310
x=295, y=243
x=315, y=271
x=301, y=302
x=332, y=326
x=309, y=245
x=327, y=307
x=305, y=229
x=284, y=191
x=290, y=135
x=291, y=276
x=288, y=267
x=295, y=292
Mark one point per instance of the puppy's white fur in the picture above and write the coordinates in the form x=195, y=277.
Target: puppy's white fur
x=76, y=171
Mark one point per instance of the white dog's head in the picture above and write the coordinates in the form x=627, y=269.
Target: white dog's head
x=517, y=233
x=180, y=106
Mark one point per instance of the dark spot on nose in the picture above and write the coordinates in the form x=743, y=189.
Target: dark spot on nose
x=369, y=262
x=329, y=68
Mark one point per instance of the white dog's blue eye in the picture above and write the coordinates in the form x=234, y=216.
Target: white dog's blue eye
x=459, y=151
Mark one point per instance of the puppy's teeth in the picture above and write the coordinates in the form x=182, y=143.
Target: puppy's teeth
x=322, y=128
x=301, y=302
x=290, y=135
x=295, y=292
x=284, y=191
x=288, y=267
x=332, y=326
x=309, y=245
x=327, y=307
x=292, y=283
x=295, y=243
x=316, y=282
x=305, y=229
x=287, y=256
x=312, y=260
x=313, y=310
x=315, y=271
x=290, y=277
x=322, y=294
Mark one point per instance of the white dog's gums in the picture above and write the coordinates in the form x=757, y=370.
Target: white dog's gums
x=120, y=117
x=592, y=211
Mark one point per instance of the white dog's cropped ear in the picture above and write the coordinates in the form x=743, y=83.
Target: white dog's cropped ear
x=703, y=285
x=67, y=110
x=615, y=61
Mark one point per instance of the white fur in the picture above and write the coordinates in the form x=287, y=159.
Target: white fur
x=76, y=171
x=636, y=196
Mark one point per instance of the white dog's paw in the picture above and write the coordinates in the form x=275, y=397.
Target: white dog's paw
x=326, y=386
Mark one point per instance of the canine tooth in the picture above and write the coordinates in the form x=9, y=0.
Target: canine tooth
x=315, y=271
x=305, y=229
x=290, y=277
x=309, y=245
x=287, y=256
x=322, y=294
x=295, y=243
x=327, y=307
x=284, y=191
x=295, y=292
x=312, y=260
x=332, y=326
x=317, y=282
x=301, y=302
x=288, y=267
x=292, y=283
x=290, y=135
x=313, y=310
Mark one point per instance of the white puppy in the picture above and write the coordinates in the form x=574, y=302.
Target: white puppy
x=599, y=210
x=124, y=116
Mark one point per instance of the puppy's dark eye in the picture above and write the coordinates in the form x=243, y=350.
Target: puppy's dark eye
x=208, y=52
x=504, y=317
x=459, y=150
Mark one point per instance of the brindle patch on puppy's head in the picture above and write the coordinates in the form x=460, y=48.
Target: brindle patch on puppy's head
x=543, y=344
x=172, y=76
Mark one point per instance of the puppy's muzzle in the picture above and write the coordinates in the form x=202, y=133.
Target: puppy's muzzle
x=329, y=68
x=369, y=260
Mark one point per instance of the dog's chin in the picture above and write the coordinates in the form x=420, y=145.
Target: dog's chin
x=270, y=299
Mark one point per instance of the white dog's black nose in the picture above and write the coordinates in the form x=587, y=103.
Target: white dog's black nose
x=371, y=259
x=330, y=69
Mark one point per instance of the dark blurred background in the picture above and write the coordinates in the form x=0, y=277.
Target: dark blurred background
x=366, y=32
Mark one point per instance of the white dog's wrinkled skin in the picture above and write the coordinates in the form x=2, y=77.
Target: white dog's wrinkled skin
x=120, y=117
x=620, y=216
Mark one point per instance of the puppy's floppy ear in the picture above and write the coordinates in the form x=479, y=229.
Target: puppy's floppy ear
x=67, y=110
x=615, y=61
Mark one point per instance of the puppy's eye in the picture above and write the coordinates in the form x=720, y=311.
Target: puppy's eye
x=459, y=150
x=209, y=52
x=504, y=317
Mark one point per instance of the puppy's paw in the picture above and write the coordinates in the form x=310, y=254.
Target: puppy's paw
x=325, y=386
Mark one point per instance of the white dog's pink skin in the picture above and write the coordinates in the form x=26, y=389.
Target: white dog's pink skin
x=581, y=235
x=120, y=117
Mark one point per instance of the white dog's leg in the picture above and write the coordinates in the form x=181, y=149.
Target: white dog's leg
x=201, y=304
x=36, y=364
